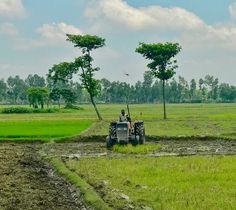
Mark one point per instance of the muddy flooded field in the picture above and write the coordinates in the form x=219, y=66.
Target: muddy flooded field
x=168, y=148
x=28, y=182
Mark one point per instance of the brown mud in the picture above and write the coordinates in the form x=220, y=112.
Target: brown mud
x=27, y=181
x=168, y=148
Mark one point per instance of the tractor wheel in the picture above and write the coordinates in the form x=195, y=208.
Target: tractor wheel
x=109, y=142
x=142, y=137
x=112, y=129
x=134, y=141
x=140, y=130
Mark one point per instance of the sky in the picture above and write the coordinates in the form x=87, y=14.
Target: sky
x=32, y=35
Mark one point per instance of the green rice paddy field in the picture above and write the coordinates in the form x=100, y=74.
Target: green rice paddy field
x=127, y=177
x=217, y=120
x=173, y=183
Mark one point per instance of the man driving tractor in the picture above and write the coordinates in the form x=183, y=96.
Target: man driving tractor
x=125, y=118
x=123, y=132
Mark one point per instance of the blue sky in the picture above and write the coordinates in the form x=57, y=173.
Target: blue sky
x=32, y=35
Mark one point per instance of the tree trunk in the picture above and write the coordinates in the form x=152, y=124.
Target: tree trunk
x=164, y=98
x=95, y=107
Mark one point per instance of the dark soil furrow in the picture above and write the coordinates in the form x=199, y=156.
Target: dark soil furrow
x=27, y=182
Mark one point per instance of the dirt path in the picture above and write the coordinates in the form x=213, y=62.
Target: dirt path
x=26, y=182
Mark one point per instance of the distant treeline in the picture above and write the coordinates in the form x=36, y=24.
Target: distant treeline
x=206, y=90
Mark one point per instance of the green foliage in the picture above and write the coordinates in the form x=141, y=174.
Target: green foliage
x=3, y=90
x=16, y=89
x=70, y=106
x=35, y=81
x=69, y=96
x=227, y=92
x=161, y=55
x=16, y=110
x=37, y=96
x=61, y=72
x=178, y=90
x=48, y=110
x=83, y=64
x=22, y=110
x=163, y=183
x=87, y=74
x=86, y=42
x=140, y=149
x=162, y=63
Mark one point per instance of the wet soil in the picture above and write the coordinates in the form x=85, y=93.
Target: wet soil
x=168, y=148
x=197, y=147
x=27, y=182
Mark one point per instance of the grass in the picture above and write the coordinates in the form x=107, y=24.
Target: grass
x=90, y=196
x=214, y=120
x=163, y=183
x=140, y=149
x=42, y=129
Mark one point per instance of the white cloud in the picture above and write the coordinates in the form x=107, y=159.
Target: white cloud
x=57, y=31
x=232, y=10
x=12, y=8
x=192, y=31
x=50, y=35
x=210, y=48
x=120, y=12
x=211, y=38
x=8, y=29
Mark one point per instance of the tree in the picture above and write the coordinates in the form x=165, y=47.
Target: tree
x=193, y=89
x=105, y=94
x=83, y=64
x=147, y=83
x=162, y=64
x=55, y=95
x=16, y=88
x=3, y=89
x=69, y=96
x=183, y=89
x=60, y=83
x=174, y=94
x=227, y=92
x=35, y=81
x=37, y=96
x=212, y=84
x=203, y=89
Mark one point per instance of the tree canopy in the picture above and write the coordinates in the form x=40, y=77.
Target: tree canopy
x=87, y=42
x=37, y=96
x=83, y=64
x=162, y=63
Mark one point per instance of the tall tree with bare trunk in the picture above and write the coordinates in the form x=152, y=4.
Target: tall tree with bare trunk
x=162, y=63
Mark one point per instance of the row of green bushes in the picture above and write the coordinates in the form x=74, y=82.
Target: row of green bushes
x=21, y=110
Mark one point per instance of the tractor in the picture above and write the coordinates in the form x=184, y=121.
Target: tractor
x=121, y=133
